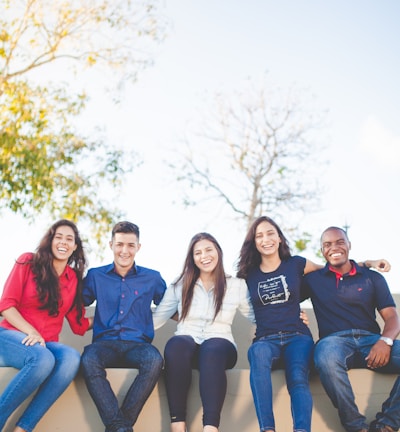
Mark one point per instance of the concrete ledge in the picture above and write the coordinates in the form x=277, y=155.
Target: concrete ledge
x=75, y=410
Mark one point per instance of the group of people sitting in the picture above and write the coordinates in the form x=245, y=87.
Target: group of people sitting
x=50, y=284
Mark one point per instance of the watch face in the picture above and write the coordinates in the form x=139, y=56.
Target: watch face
x=387, y=340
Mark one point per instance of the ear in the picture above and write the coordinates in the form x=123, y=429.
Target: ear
x=138, y=247
x=110, y=243
x=349, y=245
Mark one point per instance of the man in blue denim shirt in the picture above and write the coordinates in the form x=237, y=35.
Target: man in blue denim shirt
x=122, y=330
x=345, y=297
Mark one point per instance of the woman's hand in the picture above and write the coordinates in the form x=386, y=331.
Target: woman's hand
x=381, y=264
x=33, y=338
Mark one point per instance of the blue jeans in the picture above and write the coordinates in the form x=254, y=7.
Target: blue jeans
x=293, y=351
x=107, y=354
x=49, y=370
x=340, y=351
x=211, y=358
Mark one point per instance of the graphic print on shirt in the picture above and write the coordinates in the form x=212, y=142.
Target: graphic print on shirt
x=273, y=290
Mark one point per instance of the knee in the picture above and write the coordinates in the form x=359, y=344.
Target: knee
x=152, y=360
x=326, y=359
x=89, y=360
x=258, y=354
x=179, y=348
x=42, y=360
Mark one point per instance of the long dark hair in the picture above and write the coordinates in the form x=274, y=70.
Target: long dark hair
x=190, y=274
x=46, y=277
x=249, y=257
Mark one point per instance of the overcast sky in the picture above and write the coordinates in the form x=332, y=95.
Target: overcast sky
x=344, y=53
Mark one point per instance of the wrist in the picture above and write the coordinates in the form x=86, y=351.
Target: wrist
x=388, y=341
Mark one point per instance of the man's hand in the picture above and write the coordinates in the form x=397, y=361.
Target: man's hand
x=379, y=355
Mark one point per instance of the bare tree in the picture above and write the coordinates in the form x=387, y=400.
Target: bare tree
x=256, y=154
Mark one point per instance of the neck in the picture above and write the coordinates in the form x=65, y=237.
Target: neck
x=342, y=269
x=59, y=266
x=207, y=279
x=270, y=263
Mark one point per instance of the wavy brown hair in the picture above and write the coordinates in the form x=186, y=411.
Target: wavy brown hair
x=46, y=277
x=190, y=274
x=249, y=257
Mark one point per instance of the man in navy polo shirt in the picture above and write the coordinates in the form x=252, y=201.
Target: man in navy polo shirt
x=122, y=329
x=345, y=297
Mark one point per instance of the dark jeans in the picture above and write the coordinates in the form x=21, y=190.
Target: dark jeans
x=211, y=358
x=105, y=354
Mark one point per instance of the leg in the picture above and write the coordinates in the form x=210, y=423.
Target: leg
x=149, y=362
x=332, y=356
x=67, y=361
x=35, y=364
x=390, y=413
x=262, y=356
x=179, y=354
x=95, y=359
x=215, y=356
x=297, y=357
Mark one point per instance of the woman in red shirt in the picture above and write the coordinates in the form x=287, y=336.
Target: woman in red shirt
x=40, y=291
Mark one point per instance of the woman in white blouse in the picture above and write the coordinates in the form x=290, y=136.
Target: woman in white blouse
x=206, y=300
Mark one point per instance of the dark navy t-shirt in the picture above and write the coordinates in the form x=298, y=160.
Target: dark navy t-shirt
x=276, y=298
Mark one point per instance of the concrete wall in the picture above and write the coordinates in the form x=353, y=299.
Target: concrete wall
x=75, y=411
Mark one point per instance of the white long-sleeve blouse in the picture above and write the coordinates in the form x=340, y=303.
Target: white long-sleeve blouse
x=199, y=322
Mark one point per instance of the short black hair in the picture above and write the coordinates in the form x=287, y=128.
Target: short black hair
x=125, y=227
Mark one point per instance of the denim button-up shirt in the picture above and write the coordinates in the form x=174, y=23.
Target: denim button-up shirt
x=123, y=303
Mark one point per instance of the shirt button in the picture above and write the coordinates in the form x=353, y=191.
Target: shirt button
x=123, y=296
x=121, y=312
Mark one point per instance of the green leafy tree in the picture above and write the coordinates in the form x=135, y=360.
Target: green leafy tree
x=46, y=163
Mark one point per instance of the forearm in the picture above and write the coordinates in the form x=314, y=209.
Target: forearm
x=13, y=316
x=391, y=328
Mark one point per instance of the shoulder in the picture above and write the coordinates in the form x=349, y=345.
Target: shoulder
x=145, y=271
x=25, y=258
x=295, y=262
x=297, y=259
x=234, y=282
x=99, y=271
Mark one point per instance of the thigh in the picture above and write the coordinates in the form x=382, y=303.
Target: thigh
x=101, y=354
x=217, y=351
x=139, y=355
x=334, y=350
x=14, y=353
x=264, y=353
x=299, y=350
x=64, y=354
x=181, y=348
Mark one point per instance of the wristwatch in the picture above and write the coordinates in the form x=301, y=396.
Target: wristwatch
x=387, y=340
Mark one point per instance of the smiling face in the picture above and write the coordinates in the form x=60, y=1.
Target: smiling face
x=267, y=239
x=335, y=247
x=205, y=256
x=63, y=244
x=125, y=247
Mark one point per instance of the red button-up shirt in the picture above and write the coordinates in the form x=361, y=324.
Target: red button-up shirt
x=20, y=292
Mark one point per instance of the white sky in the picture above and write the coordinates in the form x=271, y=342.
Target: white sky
x=345, y=53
